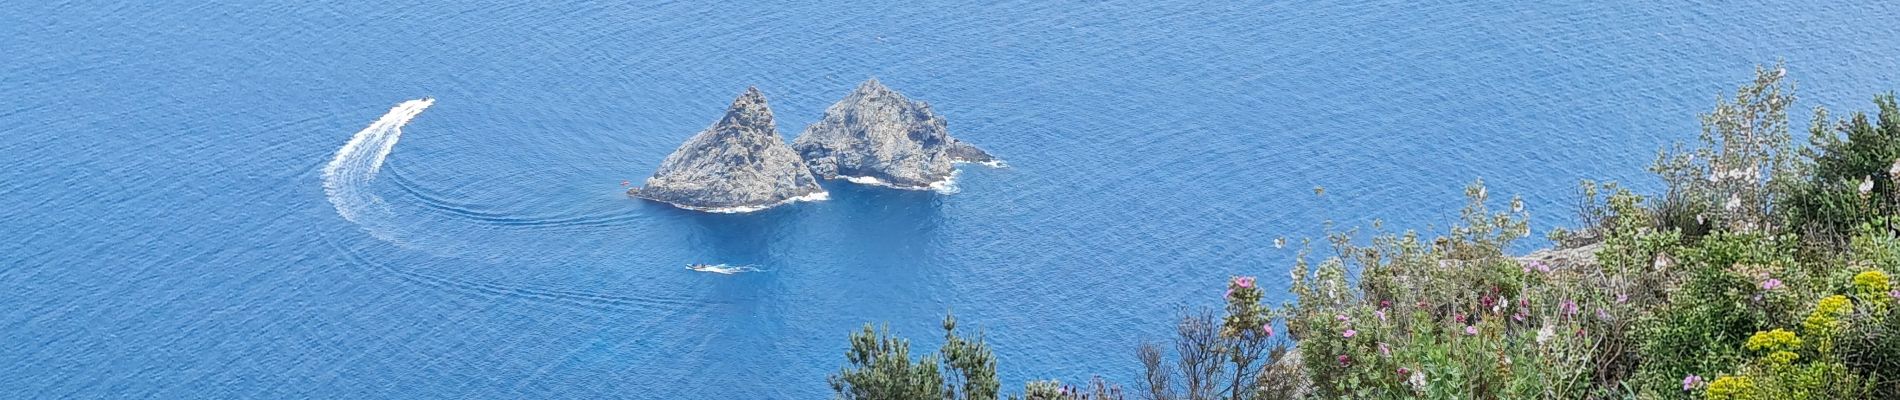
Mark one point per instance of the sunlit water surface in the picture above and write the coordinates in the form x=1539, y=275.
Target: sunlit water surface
x=168, y=232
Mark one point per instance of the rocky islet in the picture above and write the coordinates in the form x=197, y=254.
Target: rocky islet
x=874, y=135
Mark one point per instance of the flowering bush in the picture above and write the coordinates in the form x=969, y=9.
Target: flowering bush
x=1764, y=265
x=1731, y=388
x=1775, y=340
x=1454, y=317
x=1873, y=288
x=1827, y=315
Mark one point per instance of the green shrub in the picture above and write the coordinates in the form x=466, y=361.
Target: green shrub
x=1844, y=154
x=1707, y=318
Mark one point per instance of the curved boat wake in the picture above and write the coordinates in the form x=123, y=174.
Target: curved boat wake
x=346, y=183
x=346, y=178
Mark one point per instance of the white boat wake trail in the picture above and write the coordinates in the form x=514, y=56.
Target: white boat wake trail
x=724, y=269
x=346, y=179
x=346, y=182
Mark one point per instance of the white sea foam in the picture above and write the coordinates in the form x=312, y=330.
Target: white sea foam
x=947, y=185
x=864, y=180
x=820, y=196
x=346, y=178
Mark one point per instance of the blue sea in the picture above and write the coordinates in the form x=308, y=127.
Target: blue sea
x=168, y=229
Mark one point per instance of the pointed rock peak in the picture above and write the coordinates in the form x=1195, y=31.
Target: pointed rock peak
x=752, y=98
x=748, y=109
x=873, y=87
x=738, y=164
x=751, y=94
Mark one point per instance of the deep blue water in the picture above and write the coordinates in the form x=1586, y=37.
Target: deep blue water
x=165, y=233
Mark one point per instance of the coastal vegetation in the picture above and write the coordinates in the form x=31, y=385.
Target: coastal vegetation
x=1764, y=269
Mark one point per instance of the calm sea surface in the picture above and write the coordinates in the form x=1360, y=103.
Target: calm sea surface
x=166, y=232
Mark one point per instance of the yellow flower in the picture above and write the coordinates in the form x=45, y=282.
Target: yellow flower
x=1730, y=388
x=1775, y=340
x=1827, y=314
x=1781, y=357
x=1872, y=286
x=1872, y=281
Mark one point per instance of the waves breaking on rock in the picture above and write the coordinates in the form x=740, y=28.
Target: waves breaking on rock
x=877, y=136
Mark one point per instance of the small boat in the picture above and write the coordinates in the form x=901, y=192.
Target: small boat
x=721, y=269
x=717, y=269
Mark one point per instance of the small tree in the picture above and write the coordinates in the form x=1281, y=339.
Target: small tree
x=1230, y=353
x=880, y=368
x=1746, y=157
x=1246, y=328
x=973, y=362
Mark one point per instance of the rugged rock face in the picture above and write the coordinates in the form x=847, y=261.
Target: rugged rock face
x=875, y=135
x=739, y=164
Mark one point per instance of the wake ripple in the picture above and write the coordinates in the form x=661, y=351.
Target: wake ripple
x=517, y=292
x=436, y=202
x=346, y=182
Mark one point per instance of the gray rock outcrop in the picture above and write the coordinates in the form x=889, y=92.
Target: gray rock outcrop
x=875, y=135
x=739, y=164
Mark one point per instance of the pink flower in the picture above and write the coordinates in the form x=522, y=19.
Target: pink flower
x=1267, y=328
x=1541, y=266
x=1384, y=350
x=1384, y=304
x=1229, y=295
x=1471, y=330
x=1460, y=317
x=1381, y=314
x=1603, y=315
x=1519, y=317
x=1771, y=284
x=1569, y=307
x=1244, y=281
x=1690, y=382
x=1622, y=298
x=1895, y=293
x=1350, y=333
x=1342, y=318
x=1344, y=360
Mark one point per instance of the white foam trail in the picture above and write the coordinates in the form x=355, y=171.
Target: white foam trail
x=346, y=178
x=993, y=163
x=724, y=269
